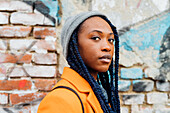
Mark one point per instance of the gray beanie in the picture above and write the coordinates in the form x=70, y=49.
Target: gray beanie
x=71, y=24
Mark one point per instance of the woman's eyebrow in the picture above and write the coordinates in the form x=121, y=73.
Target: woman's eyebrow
x=100, y=32
x=96, y=31
x=111, y=33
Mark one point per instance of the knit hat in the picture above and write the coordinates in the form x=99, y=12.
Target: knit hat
x=71, y=24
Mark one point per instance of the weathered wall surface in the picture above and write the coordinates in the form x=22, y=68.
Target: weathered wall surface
x=31, y=61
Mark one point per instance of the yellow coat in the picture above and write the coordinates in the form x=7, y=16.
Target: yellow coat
x=65, y=101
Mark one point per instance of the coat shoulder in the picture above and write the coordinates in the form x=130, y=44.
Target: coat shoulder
x=61, y=100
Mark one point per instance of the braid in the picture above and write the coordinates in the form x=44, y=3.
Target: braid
x=116, y=72
x=76, y=63
x=115, y=90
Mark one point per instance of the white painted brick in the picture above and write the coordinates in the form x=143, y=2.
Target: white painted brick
x=4, y=69
x=167, y=110
x=141, y=109
x=17, y=72
x=161, y=108
x=129, y=99
x=3, y=45
x=124, y=110
x=47, y=21
x=3, y=98
x=2, y=110
x=27, y=18
x=30, y=19
x=6, y=5
x=124, y=85
x=41, y=71
x=4, y=18
x=163, y=86
x=155, y=98
x=164, y=110
x=152, y=73
x=23, y=44
x=34, y=71
x=129, y=58
x=41, y=58
x=37, y=12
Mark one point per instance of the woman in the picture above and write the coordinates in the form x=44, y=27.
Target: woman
x=88, y=45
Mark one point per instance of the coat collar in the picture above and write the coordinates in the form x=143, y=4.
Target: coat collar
x=79, y=82
x=82, y=86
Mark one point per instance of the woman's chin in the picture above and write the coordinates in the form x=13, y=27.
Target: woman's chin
x=104, y=69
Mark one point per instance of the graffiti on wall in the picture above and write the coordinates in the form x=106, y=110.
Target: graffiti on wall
x=150, y=41
x=50, y=8
x=164, y=56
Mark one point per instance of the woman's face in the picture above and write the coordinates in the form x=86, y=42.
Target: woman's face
x=95, y=44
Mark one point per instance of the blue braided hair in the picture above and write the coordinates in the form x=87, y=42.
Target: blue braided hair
x=109, y=80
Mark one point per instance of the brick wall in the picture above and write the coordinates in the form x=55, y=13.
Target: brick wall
x=31, y=61
x=28, y=56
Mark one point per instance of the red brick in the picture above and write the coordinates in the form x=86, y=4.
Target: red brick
x=44, y=84
x=4, y=18
x=15, y=85
x=3, y=44
x=25, y=98
x=27, y=18
x=48, y=58
x=22, y=44
x=6, y=5
x=14, y=31
x=10, y=58
x=3, y=98
x=43, y=32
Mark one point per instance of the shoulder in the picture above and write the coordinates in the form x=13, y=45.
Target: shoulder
x=60, y=100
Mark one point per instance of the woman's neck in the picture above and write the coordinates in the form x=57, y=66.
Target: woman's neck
x=93, y=73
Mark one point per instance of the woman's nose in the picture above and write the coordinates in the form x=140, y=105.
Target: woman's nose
x=105, y=46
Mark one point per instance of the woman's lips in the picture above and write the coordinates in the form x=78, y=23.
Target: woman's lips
x=105, y=58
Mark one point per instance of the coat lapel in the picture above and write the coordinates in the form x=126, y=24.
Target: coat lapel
x=91, y=98
x=82, y=86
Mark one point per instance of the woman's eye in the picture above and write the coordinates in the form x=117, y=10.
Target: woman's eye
x=95, y=38
x=111, y=40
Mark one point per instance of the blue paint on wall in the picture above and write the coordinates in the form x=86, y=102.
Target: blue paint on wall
x=49, y=8
x=132, y=73
x=52, y=5
x=147, y=35
x=124, y=85
x=136, y=81
x=54, y=8
x=58, y=15
x=145, y=75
